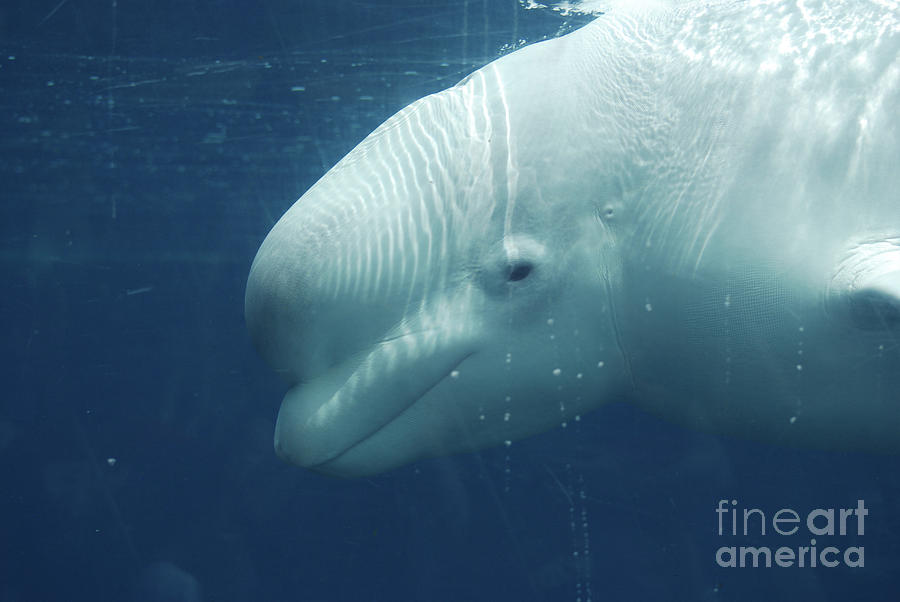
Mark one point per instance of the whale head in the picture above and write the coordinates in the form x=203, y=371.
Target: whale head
x=443, y=288
x=706, y=224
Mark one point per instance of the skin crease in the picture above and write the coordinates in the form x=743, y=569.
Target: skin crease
x=692, y=209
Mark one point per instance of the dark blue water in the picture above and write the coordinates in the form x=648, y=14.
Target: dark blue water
x=146, y=150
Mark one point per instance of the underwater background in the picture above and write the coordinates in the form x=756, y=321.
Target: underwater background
x=146, y=150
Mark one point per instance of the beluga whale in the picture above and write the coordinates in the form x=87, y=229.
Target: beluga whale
x=692, y=207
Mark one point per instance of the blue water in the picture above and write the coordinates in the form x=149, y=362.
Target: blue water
x=147, y=148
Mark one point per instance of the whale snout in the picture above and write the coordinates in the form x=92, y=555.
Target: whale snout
x=299, y=316
x=866, y=288
x=876, y=304
x=281, y=311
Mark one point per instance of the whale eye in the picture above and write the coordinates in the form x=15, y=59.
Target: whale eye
x=511, y=268
x=518, y=271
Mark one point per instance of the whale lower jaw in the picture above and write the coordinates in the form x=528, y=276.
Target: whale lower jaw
x=322, y=419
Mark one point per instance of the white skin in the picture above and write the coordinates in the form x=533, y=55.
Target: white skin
x=673, y=209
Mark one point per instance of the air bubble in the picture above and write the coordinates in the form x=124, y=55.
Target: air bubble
x=557, y=372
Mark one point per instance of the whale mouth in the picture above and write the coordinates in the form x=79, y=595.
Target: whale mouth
x=321, y=419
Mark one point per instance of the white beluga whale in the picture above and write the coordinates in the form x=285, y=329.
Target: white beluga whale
x=692, y=208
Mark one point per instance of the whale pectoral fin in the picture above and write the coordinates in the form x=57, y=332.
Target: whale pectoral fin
x=875, y=302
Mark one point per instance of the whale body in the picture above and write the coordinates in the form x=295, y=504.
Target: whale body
x=692, y=208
